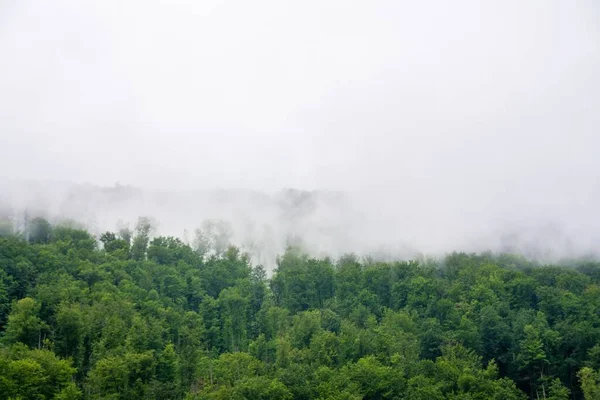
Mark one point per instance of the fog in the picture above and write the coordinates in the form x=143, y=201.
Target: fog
x=405, y=127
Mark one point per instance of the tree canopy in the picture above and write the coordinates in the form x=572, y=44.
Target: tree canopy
x=131, y=316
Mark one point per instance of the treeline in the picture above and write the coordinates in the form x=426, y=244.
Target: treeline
x=128, y=316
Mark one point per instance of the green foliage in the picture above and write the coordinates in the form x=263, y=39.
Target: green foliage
x=35, y=374
x=590, y=383
x=154, y=318
x=24, y=325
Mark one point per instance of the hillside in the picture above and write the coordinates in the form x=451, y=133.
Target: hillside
x=152, y=318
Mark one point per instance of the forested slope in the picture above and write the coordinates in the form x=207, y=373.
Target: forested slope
x=134, y=317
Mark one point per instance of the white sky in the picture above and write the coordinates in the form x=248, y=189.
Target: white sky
x=455, y=121
x=431, y=96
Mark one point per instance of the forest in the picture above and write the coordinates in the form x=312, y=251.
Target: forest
x=129, y=315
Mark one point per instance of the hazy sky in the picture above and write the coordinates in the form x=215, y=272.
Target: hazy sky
x=498, y=99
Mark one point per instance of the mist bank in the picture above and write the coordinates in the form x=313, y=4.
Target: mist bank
x=382, y=223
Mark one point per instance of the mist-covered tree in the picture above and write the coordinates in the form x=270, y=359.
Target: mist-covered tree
x=39, y=231
x=6, y=227
x=113, y=242
x=141, y=239
x=213, y=237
